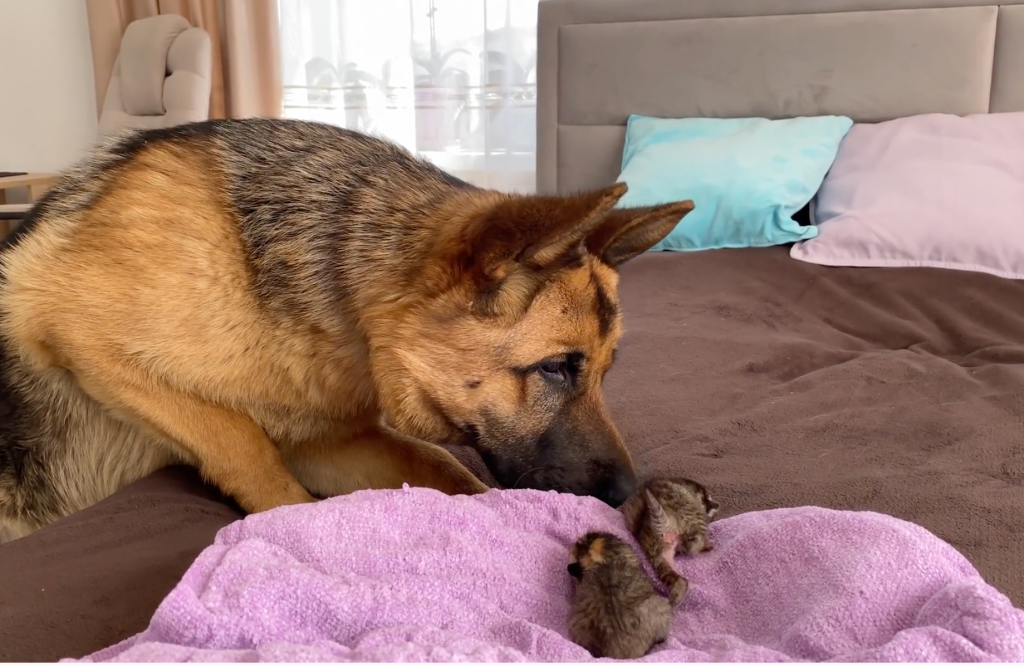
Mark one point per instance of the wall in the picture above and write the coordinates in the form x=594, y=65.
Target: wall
x=47, y=100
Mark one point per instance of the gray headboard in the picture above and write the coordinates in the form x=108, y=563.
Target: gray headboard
x=601, y=60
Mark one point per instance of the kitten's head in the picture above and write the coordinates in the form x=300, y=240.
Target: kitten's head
x=594, y=549
x=695, y=489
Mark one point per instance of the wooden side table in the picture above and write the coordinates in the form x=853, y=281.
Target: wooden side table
x=35, y=183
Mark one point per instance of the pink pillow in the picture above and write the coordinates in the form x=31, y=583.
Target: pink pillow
x=933, y=190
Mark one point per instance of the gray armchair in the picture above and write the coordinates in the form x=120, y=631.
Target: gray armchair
x=161, y=78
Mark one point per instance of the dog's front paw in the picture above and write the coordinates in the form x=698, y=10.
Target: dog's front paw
x=462, y=483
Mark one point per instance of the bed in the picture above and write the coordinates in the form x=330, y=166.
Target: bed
x=779, y=383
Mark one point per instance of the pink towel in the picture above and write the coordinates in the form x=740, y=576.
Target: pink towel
x=413, y=575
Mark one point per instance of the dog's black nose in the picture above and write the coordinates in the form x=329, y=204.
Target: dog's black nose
x=618, y=489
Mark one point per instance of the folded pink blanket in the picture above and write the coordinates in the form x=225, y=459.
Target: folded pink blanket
x=413, y=575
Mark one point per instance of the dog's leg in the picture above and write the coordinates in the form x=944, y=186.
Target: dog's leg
x=379, y=458
x=230, y=450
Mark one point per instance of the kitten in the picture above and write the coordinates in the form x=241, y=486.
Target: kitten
x=670, y=517
x=616, y=612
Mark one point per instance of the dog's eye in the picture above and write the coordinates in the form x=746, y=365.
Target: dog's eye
x=556, y=369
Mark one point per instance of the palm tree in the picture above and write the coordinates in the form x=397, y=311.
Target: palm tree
x=322, y=81
x=510, y=96
x=440, y=92
x=355, y=83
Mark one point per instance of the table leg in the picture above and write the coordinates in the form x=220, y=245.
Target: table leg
x=35, y=191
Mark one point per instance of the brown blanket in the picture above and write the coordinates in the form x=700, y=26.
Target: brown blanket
x=776, y=383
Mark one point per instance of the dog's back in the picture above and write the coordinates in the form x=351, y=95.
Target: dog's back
x=200, y=228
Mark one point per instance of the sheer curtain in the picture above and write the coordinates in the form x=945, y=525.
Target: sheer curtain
x=452, y=80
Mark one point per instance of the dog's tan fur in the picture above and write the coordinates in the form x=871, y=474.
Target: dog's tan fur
x=164, y=306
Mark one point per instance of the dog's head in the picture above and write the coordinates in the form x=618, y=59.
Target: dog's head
x=516, y=323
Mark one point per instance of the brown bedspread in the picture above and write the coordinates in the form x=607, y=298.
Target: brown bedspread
x=776, y=383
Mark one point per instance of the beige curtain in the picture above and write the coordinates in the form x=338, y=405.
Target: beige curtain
x=246, y=49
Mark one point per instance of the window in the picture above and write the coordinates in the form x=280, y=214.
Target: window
x=452, y=80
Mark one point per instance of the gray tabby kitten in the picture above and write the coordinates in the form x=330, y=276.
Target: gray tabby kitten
x=616, y=612
x=670, y=517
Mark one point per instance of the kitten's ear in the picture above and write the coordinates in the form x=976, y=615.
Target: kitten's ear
x=659, y=519
x=627, y=232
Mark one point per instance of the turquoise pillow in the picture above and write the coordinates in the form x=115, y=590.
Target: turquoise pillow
x=746, y=176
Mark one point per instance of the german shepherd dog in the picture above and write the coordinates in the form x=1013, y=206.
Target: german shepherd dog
x=301, y=311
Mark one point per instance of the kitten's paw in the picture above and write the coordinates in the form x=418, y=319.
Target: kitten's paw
x=677, y=593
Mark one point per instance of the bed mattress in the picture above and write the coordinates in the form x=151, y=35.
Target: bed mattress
x=775, y=382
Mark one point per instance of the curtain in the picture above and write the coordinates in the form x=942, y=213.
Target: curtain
x=453, y=80
x=246, y=54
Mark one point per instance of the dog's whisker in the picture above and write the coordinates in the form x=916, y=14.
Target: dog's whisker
x=529, y=471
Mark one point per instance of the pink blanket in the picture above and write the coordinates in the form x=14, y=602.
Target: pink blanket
x=413, y=575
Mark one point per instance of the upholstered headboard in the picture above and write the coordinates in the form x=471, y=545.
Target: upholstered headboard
x=601, y=60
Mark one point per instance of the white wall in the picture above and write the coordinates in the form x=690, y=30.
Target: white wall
x=47, y=99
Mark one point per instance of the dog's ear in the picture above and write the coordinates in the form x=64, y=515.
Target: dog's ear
x=505, y=246
x=534, y=232
x=627, y=232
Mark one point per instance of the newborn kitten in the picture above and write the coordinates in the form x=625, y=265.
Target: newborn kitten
x=670, y=517
x=616, y=612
